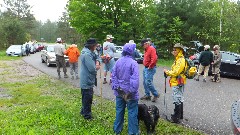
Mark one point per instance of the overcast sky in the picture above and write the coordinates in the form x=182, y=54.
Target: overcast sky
x=47, y=9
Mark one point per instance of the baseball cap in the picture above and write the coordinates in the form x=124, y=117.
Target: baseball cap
x=144, y=41
x=109, y=37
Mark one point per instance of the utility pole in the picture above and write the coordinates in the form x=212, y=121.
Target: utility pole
x=220, y=25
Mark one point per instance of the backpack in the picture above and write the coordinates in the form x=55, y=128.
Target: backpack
x=190, y=69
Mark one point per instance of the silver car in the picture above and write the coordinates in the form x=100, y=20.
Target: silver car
x=16, y=50
x=118, y=52
x=48, y=56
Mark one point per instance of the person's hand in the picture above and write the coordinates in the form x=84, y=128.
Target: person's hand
x=165, y=70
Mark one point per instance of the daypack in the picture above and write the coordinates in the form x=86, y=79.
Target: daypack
x=190, y=69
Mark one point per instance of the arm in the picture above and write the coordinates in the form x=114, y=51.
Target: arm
x=180, y=65
x=90, y=64
x=153, y=58
x=114, y=83
x=134, y=79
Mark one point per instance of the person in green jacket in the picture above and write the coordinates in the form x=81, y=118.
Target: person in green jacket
x=205, y=59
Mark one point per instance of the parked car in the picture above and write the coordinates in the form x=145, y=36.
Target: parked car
x=118, y=52
x=140, y=59
x=39, y=47
x=48, y=56
x=230, y=63
x=16, y=50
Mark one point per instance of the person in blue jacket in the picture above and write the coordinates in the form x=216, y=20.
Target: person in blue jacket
x=88, y=71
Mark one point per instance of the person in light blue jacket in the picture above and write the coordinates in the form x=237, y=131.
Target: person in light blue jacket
x=125, y=84
x=88, y=72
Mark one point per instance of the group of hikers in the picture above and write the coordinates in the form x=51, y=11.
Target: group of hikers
x=124, y=76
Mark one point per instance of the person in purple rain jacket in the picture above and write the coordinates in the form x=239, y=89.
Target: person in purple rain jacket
x=125, y=84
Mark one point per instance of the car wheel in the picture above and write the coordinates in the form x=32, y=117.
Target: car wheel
x=48, y=64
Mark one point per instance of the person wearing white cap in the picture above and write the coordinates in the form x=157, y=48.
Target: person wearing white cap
x=108, y=52
x=59, y=50
x=205, y=59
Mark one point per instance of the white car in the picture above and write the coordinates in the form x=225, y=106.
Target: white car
x=118, y=52
x=48, y=56
x=16, y=50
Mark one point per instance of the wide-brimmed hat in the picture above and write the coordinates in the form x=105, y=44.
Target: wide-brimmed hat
x=144, y=41
x=178, y=45
x=91, y=42
x=109, y=37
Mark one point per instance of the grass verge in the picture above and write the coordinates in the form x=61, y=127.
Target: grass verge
x=43, y=105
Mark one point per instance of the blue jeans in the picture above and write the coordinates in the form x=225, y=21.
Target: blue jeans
x=148, y=81
x=132, y=106
x=177, y=94
x=87, y=97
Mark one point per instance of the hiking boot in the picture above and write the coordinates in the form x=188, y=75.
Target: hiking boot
x=218, y=80
x=104, y=81
x=145, y=97
x=204, y=80
x=59, y=76
x=65, y=76
x=155, y=98
x=72, y=77
x=176, y=116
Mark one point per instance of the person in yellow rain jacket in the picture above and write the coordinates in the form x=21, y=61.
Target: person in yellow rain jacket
x=177, y=81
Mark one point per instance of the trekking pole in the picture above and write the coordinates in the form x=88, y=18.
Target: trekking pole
x=101, y=83
x=165, y=91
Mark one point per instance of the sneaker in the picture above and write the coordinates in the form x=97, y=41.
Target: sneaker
x=155, y=98
x=204, y=80
x=145, y=97
x=104, y=82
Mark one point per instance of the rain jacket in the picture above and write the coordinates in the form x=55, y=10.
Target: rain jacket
x=73, y=53
x=88, y=70
x=150, y=57
x=125, y=74
x=177, y=69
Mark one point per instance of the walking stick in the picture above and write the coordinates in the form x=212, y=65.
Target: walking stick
x=165, y=91
x=101, y=83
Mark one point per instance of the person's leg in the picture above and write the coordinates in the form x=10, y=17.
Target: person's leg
x=147, y=92
x=87, y=101
x=111, y=64
x=149, y=83
x=105, y=73
x=218, y=78
x=133, y=128
x=71, y=69
x=206, y=68
x=177, y=100
x=58, y=66
x=200, y=69
x=120, y=110
x=76, y=70
x=63, y=62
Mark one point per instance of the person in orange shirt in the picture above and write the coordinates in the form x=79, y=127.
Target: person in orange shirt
x=73, y=53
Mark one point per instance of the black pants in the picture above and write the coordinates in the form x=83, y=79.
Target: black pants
x=87, y=98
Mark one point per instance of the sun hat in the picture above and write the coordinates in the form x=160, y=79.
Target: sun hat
x=109, y=37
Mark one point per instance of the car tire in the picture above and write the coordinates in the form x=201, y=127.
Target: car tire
x=47, y=62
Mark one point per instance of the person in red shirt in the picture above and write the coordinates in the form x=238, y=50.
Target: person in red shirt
x=73, y=53
x=149, y=61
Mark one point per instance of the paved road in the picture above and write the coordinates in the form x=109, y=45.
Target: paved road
x=207, y=106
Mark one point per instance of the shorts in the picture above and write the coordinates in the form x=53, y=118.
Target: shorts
x=108, y=66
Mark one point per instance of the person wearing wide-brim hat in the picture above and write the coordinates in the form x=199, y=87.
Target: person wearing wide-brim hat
x=177, y=73
x=88, y=71
x=108, y=56
x=205, y=59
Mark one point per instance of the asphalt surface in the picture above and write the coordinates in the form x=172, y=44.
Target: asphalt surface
x=207, y=105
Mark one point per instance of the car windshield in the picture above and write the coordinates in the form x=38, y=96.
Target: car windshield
x=15, y=47
x=50, y=48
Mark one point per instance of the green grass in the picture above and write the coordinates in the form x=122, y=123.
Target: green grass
x=3, y=56
x=45, y=105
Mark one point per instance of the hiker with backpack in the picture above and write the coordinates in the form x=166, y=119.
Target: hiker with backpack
x=177, y=81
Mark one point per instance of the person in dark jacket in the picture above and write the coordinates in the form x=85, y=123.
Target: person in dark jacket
x=88, y=71
x=205, y=59
x=125, y=84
